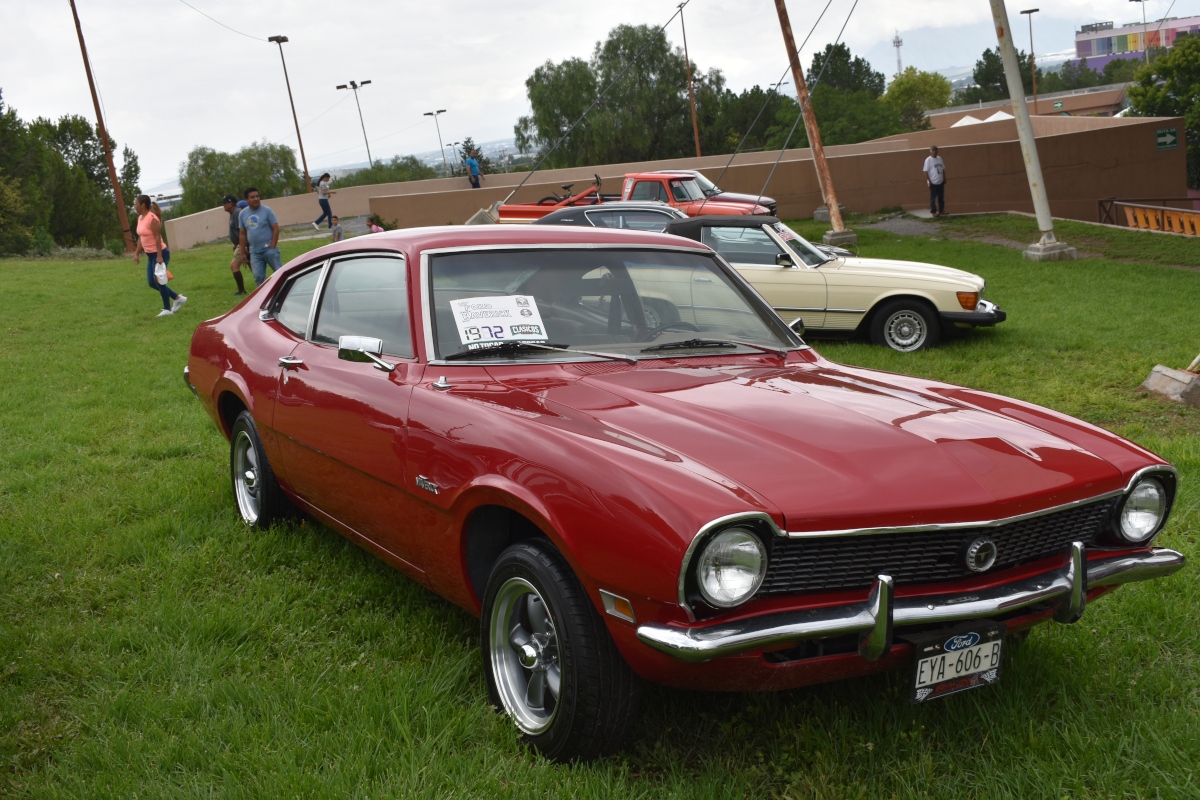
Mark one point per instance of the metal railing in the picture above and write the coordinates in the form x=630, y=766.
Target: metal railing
x=1151, y=213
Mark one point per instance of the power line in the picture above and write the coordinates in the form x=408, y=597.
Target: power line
x=222, y=24
x=314, y=119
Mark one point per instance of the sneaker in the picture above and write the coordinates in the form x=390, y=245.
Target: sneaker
x=239, y=293
x=179, y=301
x=166, y=312
x=316, y=227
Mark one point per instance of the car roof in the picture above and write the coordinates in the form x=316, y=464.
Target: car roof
x=690, y=228
x=611, y=205
x=415, y=240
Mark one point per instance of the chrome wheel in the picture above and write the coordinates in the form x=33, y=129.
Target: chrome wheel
x=246, y=477
x=905, y=330
x=524, y=652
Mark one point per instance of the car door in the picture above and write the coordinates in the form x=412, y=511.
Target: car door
x=793, y=291
x=343, y=423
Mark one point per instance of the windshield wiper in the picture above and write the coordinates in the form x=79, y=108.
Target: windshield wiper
x=516, y=347
x=689, y=344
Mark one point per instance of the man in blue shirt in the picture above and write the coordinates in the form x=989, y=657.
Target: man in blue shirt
x=473, y=169
x=259, y=236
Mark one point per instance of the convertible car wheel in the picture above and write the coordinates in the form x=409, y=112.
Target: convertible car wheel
x=260, y=501
x=905, y=325
x=549, y=661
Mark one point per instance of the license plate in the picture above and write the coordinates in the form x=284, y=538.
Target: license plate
x=954, y=661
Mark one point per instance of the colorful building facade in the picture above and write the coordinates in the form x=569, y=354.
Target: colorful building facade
x=1101, y=42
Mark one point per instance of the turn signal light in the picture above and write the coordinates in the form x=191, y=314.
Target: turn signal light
x=968, y=300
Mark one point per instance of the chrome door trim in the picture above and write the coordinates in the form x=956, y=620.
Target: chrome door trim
x=316, y=301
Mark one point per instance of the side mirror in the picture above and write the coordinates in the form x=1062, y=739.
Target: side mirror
x=797, y=326
x=783, y=260
x=365, y=349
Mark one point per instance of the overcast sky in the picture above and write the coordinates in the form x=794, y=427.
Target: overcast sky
x=172, y=79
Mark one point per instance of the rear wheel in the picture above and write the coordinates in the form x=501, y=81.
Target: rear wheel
x=260, y=501
x=550, y=662
x=905, y=325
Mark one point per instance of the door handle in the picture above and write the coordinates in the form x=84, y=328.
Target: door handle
x=290, y=361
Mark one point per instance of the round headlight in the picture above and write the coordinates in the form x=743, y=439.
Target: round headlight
x=731, y=567
x=1143, y=511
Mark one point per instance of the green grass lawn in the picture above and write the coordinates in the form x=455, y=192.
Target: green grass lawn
x=150, y=646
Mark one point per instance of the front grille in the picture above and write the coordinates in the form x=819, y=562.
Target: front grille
x=852, y=562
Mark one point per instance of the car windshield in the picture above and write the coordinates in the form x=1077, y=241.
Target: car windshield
x=614, y=301
x=685, y=189
x=708, y=187
x=800, y=246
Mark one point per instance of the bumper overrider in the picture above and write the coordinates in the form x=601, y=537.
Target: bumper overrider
x=985, y=315
x=876, y=619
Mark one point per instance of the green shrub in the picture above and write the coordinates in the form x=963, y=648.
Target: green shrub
x=43, y=242
x=115, y=246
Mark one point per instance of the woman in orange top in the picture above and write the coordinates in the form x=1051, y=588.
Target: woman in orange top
x=150, y=241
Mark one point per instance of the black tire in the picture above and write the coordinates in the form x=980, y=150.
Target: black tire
x=657, y=311
x=259, y=500
x=598, y=695
x=905, y=325
x=550, y=201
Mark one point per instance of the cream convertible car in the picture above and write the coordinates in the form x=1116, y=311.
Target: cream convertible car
x=903, y=304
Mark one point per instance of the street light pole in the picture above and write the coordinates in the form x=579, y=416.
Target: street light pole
x=1048, y=248
x=355, y=87
x=1029, y=12
x=122, y=214
x=1145, y=39
x=435, y=115
x=691, y=91
x=279, y=40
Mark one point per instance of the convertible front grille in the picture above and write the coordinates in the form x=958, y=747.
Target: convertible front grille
x=852, y=562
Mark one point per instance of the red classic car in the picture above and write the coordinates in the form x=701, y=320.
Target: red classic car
x=607, y=445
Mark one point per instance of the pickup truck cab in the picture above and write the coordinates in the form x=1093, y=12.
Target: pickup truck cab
x=682, y=190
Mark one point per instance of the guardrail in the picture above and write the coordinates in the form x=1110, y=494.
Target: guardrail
x=1140, y=214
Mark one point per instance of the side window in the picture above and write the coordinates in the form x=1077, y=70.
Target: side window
x=643, y=220
x=742, y=245
x=647, y=190
x=601, y=219
x=292, y=312
x=679, y=192
x=366, y=297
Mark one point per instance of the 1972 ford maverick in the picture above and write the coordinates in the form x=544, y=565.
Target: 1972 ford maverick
x=607, y=445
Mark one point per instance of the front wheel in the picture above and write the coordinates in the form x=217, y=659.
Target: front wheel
x=550, y=662
x=906, y=326
x=260, y=501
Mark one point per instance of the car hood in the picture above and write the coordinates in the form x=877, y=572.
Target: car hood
x=890, y=268
x=834, y=450
x=735, y=197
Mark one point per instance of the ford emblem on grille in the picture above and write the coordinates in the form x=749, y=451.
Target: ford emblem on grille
x=961, y=642
x=981, y=555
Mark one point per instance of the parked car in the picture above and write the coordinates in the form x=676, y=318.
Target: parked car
x=608, y=446
x=905, y=305
x=627, y=214
x=710, y=189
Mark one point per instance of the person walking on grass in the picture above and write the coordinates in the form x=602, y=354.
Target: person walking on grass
x=338, y=234
x=150, y=242
x=323, y=193
x=472, y=164
x=230, y=204
x=935, y=176
x=259, y=235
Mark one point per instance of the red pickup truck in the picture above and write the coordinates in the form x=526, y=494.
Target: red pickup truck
x=678, y=189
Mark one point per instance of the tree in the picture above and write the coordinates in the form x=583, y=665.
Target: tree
x=1170, y=87
x=1121, y=70
x=990, y=82
x=836, y=68
x=208, y=174
x=913, y=92
x=16, y=228
x=398, y=170
x=844, y=118
x=130, y=176
x=726, y=118
x=1072, y=75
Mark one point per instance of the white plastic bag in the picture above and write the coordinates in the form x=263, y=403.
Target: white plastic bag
x=160, y=273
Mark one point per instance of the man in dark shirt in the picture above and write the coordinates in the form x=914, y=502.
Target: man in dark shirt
x=229, y=203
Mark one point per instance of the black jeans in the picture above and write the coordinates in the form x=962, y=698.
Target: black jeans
x=937, y=198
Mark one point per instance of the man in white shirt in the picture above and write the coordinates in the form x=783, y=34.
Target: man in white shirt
x=935, y=176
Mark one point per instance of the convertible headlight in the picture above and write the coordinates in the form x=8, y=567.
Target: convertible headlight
x=1143, y=511
x=731, y=567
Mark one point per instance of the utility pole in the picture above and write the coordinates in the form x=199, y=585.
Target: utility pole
x=896, y=43
x=355, y=87
x=839, y=235
x=279, y=40
x=435, y=115
x=122, y=214
x=1029, y=12
x=691, y=91
x=1048, y=248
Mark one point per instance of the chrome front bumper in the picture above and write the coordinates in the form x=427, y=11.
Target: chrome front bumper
x=875, y=619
